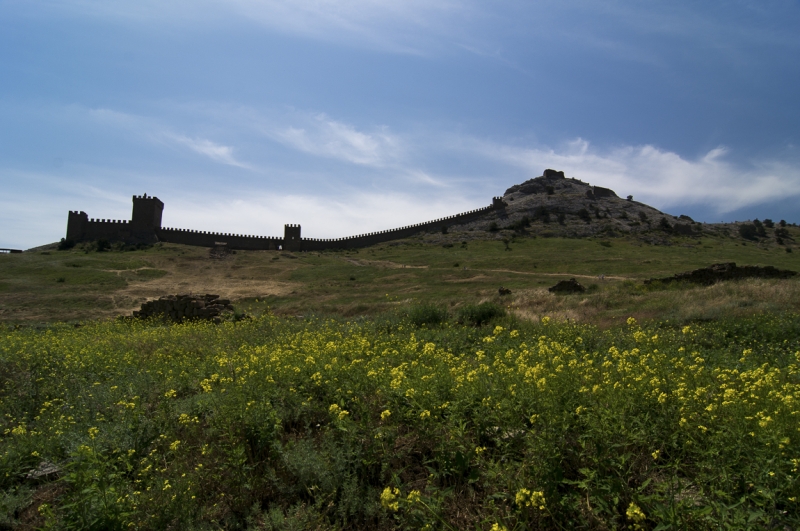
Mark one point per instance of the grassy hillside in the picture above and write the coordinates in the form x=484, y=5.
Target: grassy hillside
x=51, y=285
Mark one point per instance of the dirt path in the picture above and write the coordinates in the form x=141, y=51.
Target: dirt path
x=596, y=277
x=382, y=263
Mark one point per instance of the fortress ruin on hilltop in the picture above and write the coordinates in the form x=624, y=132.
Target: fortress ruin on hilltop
x=576, y=208
x=145, y=227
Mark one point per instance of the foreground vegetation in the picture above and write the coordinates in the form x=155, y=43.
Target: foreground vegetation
x=413, y=423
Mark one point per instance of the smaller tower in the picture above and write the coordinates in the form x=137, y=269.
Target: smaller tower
x=291, y=238
x=497, y=202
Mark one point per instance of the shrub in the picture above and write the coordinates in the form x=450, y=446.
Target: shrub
x=561, y=218
x=748, y=231
x=542, y=214
x=769, y=223
x=427, y=315
x=493, y=227
x=550, y=190
x=102, y=245
x=664, y=225
x=782, y=223
x=65, y=244
x=642, y=216
x=480, y=314
x=584, y=215
x=519, y=226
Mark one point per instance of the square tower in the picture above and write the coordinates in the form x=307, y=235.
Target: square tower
x=146, y=214
x=291, y=237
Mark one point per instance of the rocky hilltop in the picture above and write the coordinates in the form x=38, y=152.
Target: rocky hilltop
x=555, y=205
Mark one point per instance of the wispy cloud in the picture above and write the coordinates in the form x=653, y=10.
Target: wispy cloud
x=212, y=150
x=154, y=130
x=323, y=136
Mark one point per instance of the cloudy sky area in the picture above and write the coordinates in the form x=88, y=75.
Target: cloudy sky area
x=361, y=115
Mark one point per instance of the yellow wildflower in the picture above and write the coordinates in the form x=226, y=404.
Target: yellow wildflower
x=635, y=514
x=389, y=498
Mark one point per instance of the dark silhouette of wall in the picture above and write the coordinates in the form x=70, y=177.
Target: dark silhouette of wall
x=145, y=221
x=145, y=226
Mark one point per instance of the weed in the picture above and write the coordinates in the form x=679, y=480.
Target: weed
x=427, y=315
x=480, y=314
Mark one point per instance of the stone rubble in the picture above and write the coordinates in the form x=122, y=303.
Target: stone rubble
x=567, y=286
x=178, y=308
x=725, y=271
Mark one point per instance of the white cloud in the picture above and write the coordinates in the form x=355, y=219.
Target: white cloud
x=661, y=178
x=212, y=150
x=320, y=216
x=321, y=136
x=152, y=129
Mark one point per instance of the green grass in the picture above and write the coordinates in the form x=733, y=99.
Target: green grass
x=381, y=423
x=379, y=279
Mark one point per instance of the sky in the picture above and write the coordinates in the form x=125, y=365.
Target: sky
x=350, y=116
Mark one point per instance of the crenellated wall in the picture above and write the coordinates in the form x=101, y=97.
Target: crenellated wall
x=209, y=239
x=372, y=238
x=145, y=226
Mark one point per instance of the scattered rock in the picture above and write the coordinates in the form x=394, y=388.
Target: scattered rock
x=178, y=308
x=726, y=271
x=504, y=291
x=45, y=468
x=567, y=286
x=220, y=250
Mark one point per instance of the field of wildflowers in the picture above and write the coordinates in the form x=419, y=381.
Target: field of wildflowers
x=380, y=424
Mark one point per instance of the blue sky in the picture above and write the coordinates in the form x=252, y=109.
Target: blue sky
x=352, y=116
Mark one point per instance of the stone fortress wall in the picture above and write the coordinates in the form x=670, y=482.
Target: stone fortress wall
x=145, y=227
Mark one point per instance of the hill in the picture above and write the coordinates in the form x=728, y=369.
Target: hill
x=448, y=269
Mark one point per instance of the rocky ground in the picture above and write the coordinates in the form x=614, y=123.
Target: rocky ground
x=555, y=206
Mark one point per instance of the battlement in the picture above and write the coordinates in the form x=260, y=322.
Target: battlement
x=145, y=226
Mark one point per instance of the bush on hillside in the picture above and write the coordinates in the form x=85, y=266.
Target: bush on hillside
x=65, y=244
x=427, y=315
x=748, y=231
x=480, y=314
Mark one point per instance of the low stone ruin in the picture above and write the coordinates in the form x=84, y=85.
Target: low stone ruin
x=567, y=286
x=726, y=271
x=180, y=308
x=220, y=250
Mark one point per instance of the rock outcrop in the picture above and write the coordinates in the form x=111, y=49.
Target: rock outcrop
x=567, y=286
x=179, y=308
x=726, y=271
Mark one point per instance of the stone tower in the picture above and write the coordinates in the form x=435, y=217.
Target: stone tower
x=146, y=216
x=291, y=238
